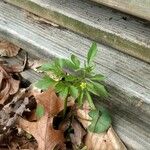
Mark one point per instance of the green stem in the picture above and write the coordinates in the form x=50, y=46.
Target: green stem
x=65, y=107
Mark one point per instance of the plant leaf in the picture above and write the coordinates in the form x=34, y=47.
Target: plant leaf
x=69, y=65
x=97, y=77
x=75, y=60
x=97, y=89
x=101, y=120
x=46, y=67
x=92, y=53
x=45, y=83
x=80, y=98
x=92, y=89
x=74, y=91
x=39, y=111
x=100, y=89
x=90, y=101
x=59, y=87
x=42, y=130
x=63, y=94
x=59, y=62
x=70, y=78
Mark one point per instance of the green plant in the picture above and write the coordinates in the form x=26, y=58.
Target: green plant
x=69, y=78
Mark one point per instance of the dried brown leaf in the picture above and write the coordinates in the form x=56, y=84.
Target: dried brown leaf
x=47, y=137
x=52, y=104
x=35, y=64
x=103, y=141
x=42, y=130
x=8, y=49
x=10, y=112
x=8, y=85
x=15, y=68
x=77, y=136
x=10, y=79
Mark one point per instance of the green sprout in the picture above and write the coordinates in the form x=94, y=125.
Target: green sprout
x=69, y=78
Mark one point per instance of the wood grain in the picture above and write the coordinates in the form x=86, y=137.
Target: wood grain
x=128, y=79
x=135, y=7
x=120, y=31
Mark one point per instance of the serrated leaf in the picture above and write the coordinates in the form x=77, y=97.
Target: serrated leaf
x=39, y=111
x=92, y=89
x=70, y=78
x=59, y=87
x=63, y=94
x=97, y=77
x=45, y=83
x=59, y=62
x=92, y=53
x=75, y=60
x=100, y=89
x=90, y=101
x=74, y=92
x=69, y=65
x=97, y=89
x=101, y=120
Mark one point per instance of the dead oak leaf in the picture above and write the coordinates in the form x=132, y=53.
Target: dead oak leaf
x=8, y=85
x=47, y=137
x=42, y=130
x=35, y=65
x=104, y=141
x=16, y=68
x=52, y=104
x=10, y=79
x=77, y=136
x=108, y=140
x=8, y=49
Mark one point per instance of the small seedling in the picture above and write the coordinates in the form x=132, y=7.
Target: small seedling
x=69, y=78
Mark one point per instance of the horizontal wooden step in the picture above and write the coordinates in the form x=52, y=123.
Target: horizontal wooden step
x=134, y=7
x=133, y=132
x=115, y=29
x=128, y=78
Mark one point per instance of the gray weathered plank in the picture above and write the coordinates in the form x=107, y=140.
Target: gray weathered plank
x=135, y=7
x=128, y=79
x=133, y=132
x=115, y=29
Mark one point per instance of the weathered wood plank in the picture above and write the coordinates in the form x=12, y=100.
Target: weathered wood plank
x=46, y=39
x=128, y=79
x=115, y=29
x=130, y=128
x=139, y=8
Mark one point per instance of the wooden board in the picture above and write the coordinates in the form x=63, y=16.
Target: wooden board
x=139, y=8
x=133, y=131
x=98, y=23
x=128, y=79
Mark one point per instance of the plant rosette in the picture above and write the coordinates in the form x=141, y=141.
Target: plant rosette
x=71, y=79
